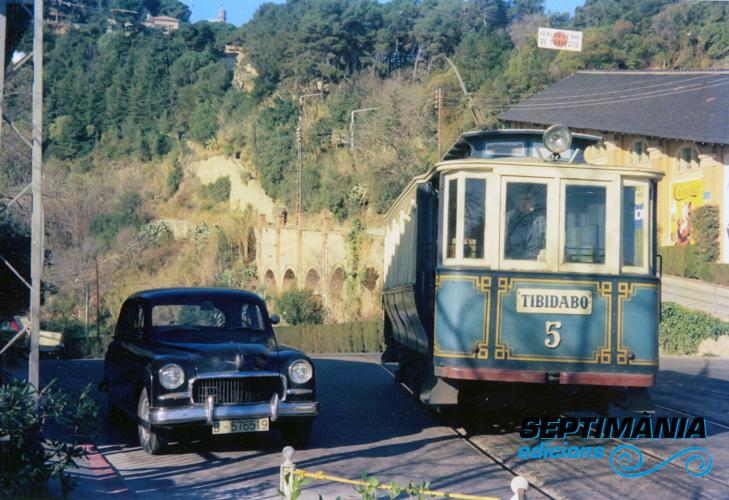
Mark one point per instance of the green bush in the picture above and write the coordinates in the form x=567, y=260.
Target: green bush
x=682, y=330
x=174, y=178
x=706, y=224
x=28, y=458
x=360, y=336
x=300, y=307
x=215, y=192
x=686, y=261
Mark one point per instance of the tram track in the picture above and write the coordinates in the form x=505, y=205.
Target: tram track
x=653, y=454
x=656, y=456
x=475, y=446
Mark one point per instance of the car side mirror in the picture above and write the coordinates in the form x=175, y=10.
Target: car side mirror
x=275, y=319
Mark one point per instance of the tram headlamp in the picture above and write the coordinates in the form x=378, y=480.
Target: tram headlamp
x=557, y=139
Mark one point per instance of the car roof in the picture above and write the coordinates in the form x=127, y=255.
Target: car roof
x=163, y=294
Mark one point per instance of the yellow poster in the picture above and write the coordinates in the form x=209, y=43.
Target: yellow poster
x=686, y=197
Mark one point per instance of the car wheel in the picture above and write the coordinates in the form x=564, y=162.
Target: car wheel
x=149, y=437
x=296, y=433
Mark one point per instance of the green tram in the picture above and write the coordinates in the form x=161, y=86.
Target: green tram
x=514, y=263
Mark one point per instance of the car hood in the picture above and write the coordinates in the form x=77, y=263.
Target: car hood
x=224, y=356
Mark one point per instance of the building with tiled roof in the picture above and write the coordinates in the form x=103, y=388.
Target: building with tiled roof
x=677, y=121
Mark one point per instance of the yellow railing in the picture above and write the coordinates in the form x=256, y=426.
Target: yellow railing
x=519, y=485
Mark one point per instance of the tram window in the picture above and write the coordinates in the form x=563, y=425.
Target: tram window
x=497, y=149
x=634, y=225
x=585, y=224
x=452, y=213
x=474, y=219
x=526, y=205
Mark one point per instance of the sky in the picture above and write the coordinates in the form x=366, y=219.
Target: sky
x=240, y=11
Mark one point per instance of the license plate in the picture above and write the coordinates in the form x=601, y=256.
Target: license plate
x=247, y=425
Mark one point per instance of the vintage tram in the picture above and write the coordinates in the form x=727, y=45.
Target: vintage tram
x=522, y=258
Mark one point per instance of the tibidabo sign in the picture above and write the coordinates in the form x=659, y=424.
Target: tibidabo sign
x=549, y=38
x=549, y=300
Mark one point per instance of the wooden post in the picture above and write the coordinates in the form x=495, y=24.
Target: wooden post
x=439, y=94
x=36, y=238
x=3, y=30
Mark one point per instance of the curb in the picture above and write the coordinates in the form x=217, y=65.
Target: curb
x=95, y=476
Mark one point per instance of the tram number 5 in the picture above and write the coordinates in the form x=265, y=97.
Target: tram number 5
x=553, y=337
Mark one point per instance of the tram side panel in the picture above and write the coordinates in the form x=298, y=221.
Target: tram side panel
x=567, y=329
x=408, y=280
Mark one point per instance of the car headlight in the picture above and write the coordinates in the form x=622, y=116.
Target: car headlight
x=301, y=371
x=171, y=376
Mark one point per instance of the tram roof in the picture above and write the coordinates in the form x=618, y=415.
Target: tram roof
x=511, y=143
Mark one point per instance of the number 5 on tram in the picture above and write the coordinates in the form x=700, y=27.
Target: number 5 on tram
x=515, y=262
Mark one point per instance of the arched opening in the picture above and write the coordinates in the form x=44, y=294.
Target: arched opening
x=312, y=281
x=336, y=298
x=269, y=280
x=251, y=247
x=289, y=281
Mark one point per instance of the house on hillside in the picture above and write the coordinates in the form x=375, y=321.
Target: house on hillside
x=165, y=23
x=675, y=121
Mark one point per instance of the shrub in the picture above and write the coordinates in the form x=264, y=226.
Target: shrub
x=239, y=277
x=687, y=262
x=174, y=177
x=706, y=223
x=215, y=192
x=28, y=459
x=682, y=330
x=300, y=307
x=155, y=233
x=356, y=336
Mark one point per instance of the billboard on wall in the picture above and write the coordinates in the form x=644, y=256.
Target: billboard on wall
x=549, y=38
x=686, y=197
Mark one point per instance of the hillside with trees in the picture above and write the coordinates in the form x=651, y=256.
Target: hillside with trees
x=127, y=108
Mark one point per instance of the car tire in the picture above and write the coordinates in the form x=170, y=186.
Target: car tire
x=296, y=433
x=150, y=438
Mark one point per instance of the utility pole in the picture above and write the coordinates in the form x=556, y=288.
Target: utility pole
x=300, y=150
x=351, y=123
x=86, y=309
x=96, y=261
x=3, y=30
x=36, y=238
x=439, y=108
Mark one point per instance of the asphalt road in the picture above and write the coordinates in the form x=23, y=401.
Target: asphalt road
x=368, y=423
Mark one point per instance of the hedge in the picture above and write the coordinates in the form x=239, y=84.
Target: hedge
x=682, y=330
x=364, y=336
x=686, y=261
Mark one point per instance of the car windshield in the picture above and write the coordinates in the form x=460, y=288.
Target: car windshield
x=209, y=321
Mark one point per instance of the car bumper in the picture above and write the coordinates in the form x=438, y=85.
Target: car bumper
x=201, y=414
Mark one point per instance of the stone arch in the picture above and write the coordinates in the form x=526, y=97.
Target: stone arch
x=336, y=293
x=269, y=280
x=250, y=248
x=289, y=281
x=312, y=281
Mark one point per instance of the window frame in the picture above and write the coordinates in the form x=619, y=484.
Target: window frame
x=460, y=179
x=610, y=223
x=634, y=158
x=550, y=235
x=647, y=267
x=679, y=159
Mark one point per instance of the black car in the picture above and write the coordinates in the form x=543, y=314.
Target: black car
x=206, y=358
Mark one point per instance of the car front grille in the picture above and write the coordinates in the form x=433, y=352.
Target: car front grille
x=237, y=390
